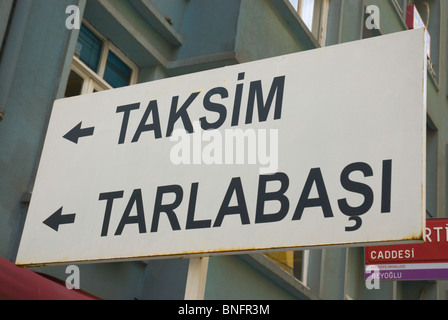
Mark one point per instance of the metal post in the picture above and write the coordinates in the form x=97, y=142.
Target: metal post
x=196, y=279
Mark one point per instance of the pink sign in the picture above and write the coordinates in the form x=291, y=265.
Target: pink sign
x=419, y=261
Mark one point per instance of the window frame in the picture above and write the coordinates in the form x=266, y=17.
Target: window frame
x=319, y=21
x=94, y=81
x=300, y=9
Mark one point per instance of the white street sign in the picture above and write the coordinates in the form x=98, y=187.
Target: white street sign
x=317, y=148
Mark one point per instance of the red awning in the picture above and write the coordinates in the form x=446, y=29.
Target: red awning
x=23, y=284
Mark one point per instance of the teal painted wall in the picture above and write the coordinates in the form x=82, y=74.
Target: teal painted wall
x=33, y=87
x=229, y=277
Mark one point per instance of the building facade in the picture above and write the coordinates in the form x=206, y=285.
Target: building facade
x=60, y=48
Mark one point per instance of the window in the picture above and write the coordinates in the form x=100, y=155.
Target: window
x=74, y=84
x=98, y=65
x=88, y=48
x=305, y=8
x=293, y=262
x=117, y=73
x=314, y=14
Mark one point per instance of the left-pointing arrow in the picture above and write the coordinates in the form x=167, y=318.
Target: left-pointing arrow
x=58, y=218
x=76, y=133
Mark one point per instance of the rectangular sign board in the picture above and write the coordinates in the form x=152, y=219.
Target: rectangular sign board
x=418, y=261
x=317, y=148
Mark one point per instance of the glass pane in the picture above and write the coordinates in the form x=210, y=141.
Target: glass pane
x=290, y=261
x=306, y=12
x=294, y=3
x=88, y=48
x=74, y=84
x=117, y=73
